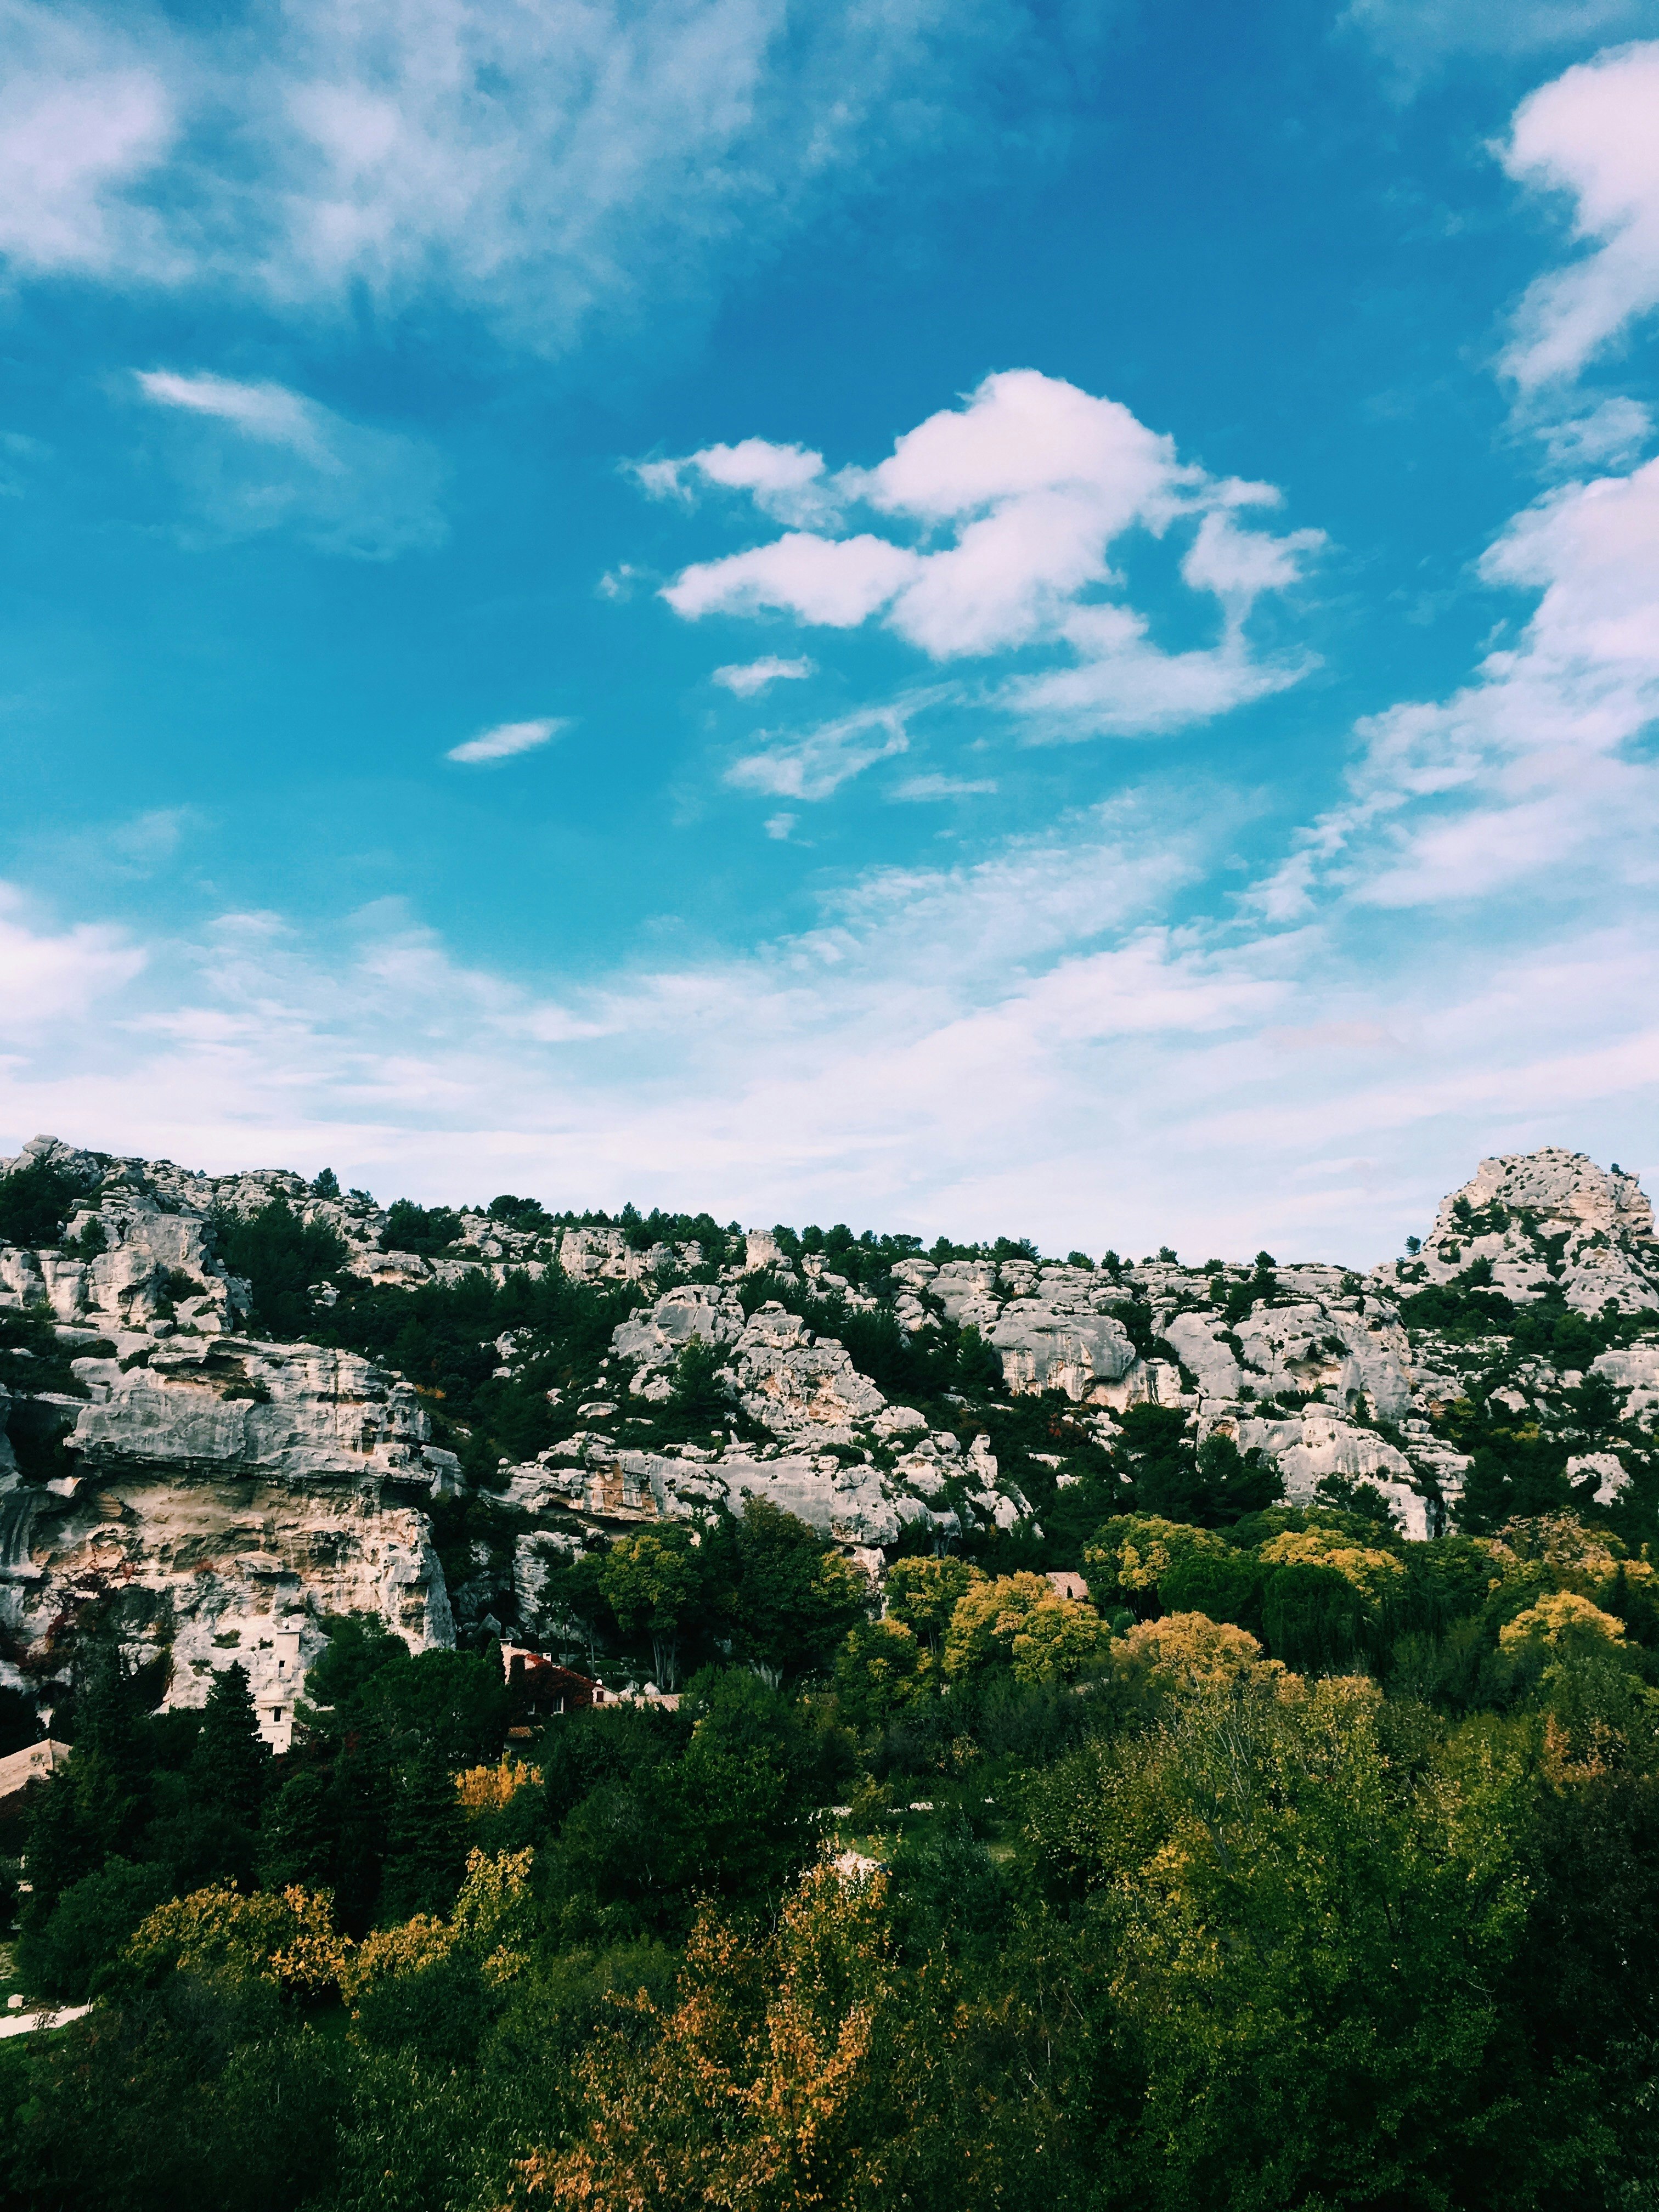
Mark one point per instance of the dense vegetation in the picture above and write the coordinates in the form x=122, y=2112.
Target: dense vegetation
x=1297, y=1867
x=1294, y=1866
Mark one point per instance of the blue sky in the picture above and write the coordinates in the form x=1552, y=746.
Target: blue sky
x=996, y=617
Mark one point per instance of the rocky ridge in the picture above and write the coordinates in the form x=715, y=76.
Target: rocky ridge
x=226, y=1488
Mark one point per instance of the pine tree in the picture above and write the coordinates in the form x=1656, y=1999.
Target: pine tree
x=230, y=1764
x=426, y=1845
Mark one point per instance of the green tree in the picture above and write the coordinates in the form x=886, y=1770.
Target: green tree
x=425, y=1841
x=793, y=1598
x=282, y=1257
x=922, y=1594
x=35, y=1201
x=701, y=1401
x=231, y=1761
x=1314, y=1618
x=359, y=1645
x=1366, y=2063
x=71, y=1957
x=423, y=1228
x=651, y=1582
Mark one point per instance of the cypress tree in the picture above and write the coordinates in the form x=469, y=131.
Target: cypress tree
x=229, y=1762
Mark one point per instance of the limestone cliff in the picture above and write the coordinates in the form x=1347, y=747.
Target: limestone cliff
x=219, y=1489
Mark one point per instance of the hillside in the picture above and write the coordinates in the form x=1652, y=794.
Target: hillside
x=238, y=1404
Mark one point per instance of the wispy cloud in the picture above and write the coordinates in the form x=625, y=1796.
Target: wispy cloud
x=920, y=787
x=816, y=763
x=252, y=457
x=1591, y=134
x=747, y=677
x=531, y=164
x=507, y=739
x=1417, y=38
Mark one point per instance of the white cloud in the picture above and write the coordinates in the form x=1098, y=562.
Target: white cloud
x=924, y=787
x=508, y=738
x=785, y=482
x=1123, y=685
x=85, y=114
x=531, y=163
x=780, y=825
x=1611, y=435
x=818, y=763
x=838, y=582
x=1031, y=484
x=48, y=979
x=1528, y=782
x=1591, y=133
x=268, y=412
x=1239, y=565
x=747, y=677
x=1029, y=1042
x=257, y=457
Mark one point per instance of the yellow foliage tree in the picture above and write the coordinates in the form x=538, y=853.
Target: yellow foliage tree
x=491, y=1918
x=1133, y=1552
x=781, y=2079
x=1561, y=1618
x=1191, y=1655
x=285, y=1936
x=1556, y=1548
x=1373, y=1573
x=1022, y=1618
x=488, y=1788
x=922, y=1594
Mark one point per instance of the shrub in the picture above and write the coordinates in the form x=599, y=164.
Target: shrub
x=72, y=1956
x=35, y=1201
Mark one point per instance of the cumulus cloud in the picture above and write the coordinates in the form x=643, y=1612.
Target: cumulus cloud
x=785, y=482
x=507, y=739
x=253, y=458
x=747, y=677
x=836, y=582
x=531, y=163
x=1590, y=133
x=1017, y=499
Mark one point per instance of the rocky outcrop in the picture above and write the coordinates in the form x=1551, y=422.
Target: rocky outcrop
x=227, y=1494
x=1543, y=1221
x=221, y=1494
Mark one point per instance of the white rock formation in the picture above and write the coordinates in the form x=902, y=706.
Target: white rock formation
x=1545, y=1219
x=230, y=1491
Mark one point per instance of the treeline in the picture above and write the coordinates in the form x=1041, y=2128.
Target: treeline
x=1292, y=1866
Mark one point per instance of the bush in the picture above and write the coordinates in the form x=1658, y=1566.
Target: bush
x=281, y=1256
x=35, y=1201
x=423, y=1228
x=74, y=1955
x=1314, y=1619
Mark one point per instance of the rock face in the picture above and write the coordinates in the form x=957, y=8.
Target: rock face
x=240, y=1491
x=221, y=1492
x=1538, y=1219
x=228, y=1493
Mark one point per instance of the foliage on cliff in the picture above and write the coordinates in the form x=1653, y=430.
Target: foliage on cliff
x=1330, y=1895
